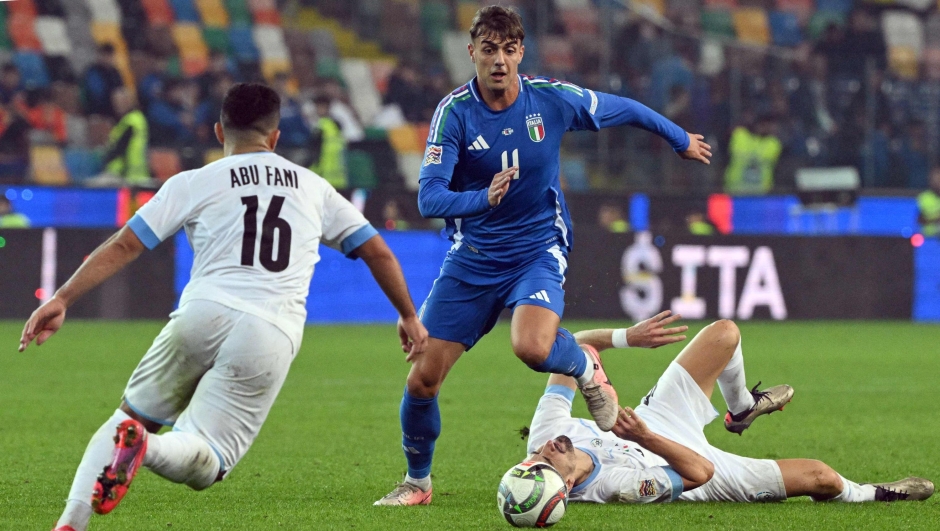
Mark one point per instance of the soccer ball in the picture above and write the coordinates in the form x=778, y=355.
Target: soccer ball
x=532, y=494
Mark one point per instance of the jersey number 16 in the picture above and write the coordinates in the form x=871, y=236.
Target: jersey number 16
x=271, y=223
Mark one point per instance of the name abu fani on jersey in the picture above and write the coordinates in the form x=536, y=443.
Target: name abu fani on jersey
x=246, y=175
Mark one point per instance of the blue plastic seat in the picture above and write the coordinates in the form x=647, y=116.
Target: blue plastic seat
x=32, y=69
x=785, y=28
x=243, y=43
x=835, y=6
x=81, y=163
x=185, y=11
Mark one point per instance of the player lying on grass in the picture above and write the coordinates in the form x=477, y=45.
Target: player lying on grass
x=659, y=453
x=255, y=221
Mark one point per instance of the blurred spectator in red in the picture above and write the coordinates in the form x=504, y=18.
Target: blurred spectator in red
x=173, y=116
x=44, y=115
x=101, y=79
x=406, y=91
x=11, y=84
x=208, y=112
x=294, y=130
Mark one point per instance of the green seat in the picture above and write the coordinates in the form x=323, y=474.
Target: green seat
x=5, y=42
x=360, y=169
x=328, y=67
x=718, y=22
x=174, y=67
x=376, y=133
x=238, y=12
x=821, y=20
x=217, y=40
x=435, y=20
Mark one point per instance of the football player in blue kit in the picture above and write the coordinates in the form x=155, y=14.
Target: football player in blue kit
x=491, y=169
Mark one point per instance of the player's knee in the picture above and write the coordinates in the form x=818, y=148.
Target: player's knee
x=149, y=425
x=725, y=332
x=423, y=385
x=826, y=479
x=532, y=353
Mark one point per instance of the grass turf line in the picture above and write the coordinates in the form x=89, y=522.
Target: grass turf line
x=867, y=403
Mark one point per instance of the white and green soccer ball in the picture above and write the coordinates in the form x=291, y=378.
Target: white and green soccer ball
x=532, y=494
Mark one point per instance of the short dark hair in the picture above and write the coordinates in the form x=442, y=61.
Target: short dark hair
x=251, y=107
x=504, y=23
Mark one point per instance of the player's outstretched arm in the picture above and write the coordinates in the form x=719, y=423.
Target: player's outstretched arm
x=651, y=333
x=122, y=248
x=387, y=272
x=694, y=469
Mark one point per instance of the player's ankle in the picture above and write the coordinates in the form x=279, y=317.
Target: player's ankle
x=422, y=483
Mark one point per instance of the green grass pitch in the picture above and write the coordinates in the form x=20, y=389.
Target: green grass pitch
x=867, y=402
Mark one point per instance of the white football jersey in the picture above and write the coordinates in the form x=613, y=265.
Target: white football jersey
x=255, y=222
x=623, y=470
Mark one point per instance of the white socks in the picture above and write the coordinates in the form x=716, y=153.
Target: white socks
x=423, y=483
x=733, y=385
x=588, y=374
x=182, y=458
x=854, y=493
x=98, y=454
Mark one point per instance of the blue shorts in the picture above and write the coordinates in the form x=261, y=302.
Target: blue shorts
x=466, y=300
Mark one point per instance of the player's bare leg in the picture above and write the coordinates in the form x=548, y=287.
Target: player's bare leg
x=714, y=356
x=421, y=420
x=809, y=477
x=540, y=344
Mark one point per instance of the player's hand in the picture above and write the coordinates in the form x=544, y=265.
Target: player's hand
x=652, y=333
x=630, y=426
x=45, y=321
x=698, y=149
x=500, y=185
x=413, y=336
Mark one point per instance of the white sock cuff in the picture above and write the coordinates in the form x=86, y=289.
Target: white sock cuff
x=737, y=359
x=619, y=339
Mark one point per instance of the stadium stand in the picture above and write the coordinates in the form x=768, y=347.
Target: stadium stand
x=739, y=58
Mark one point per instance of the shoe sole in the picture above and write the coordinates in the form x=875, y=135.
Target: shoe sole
x=117, y=476
x=743, y=425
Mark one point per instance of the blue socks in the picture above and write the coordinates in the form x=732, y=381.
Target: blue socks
x=566, y=356
x=420, y=427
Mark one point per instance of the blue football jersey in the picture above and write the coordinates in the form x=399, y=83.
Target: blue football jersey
x=469, y=143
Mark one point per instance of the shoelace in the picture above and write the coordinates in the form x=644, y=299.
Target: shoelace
x=888, y=495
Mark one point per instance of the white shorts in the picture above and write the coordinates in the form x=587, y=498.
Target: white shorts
x=677, y=409
x=215, y=372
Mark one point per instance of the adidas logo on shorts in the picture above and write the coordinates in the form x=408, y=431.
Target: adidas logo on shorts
x=540, y=295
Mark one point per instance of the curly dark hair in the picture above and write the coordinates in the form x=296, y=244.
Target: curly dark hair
x=251, y=107
x=501, y=22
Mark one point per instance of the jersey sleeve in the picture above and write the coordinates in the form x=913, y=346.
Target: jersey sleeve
x=435, y=198
x=164, y=214
x=344, y=227
x=626, y=484
x=554, y=408
x=591, y=111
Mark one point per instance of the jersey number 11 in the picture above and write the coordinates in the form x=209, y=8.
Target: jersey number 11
x=271, y=223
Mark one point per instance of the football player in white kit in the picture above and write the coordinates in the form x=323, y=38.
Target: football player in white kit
x=255, y=221
x=658, y=452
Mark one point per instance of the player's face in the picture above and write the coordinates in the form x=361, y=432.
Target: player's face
x=558, y=452
x=496, y=61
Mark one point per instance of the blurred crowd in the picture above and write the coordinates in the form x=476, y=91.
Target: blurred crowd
x=833, y=101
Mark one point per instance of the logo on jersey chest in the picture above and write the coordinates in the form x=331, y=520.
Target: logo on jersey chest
x=536, y=127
